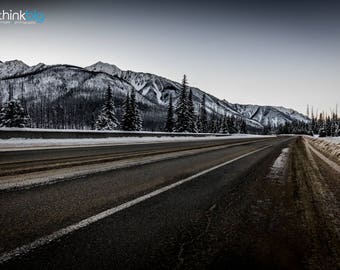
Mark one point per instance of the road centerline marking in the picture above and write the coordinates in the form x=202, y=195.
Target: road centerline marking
x=25, y=249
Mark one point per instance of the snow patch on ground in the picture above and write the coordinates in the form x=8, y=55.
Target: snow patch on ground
x=278, y=168
x=331, y=139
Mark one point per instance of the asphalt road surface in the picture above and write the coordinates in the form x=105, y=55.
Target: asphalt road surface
x=220, y=205
x=14, y=162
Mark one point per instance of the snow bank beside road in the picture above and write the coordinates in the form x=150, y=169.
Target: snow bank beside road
x=329, y=146
x=331, y=139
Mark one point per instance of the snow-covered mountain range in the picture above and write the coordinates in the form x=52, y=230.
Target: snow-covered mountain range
x=60, y=82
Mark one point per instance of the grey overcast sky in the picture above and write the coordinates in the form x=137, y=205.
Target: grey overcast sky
x=246, y=51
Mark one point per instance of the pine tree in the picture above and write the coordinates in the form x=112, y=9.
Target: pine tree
x=182, y=121
x=337, y=130
x=170, y=122
x=198, y=124
x=191, y=114
x=127, y=116
x=213, y=126
x=328, y=126
x=107, y=119
x=243, y=126
x=135, y=113
x=266, y=130
x=218, y=124
x=231, y=124
x=224, y=125
x=333, y=128
x=13, y=115
x=203, y=116
x=132, y=120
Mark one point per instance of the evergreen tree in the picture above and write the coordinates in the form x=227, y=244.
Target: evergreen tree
x=191, y=114
x=231, y=124
x=321, y=122
x=127, y=122
x=333, y=128
x=182, y=121
x=203, y=116
x=217, y=124
x=214, y=124
x=337, y=131
x=313, y=124
x=107, y=119
x=198, y=124
x=224, y=125
x=132, y=120
x=266, y=130
x=136, y=116
x=328, y=126
x=13, y=115
x=170, y=122
x=243, y=126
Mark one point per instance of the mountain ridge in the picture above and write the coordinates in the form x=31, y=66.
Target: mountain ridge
x=152, y=90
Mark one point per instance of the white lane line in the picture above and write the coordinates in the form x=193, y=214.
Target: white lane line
x=85, y=222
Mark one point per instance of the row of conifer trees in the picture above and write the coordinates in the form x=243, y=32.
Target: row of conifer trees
x=184, y=118
x=181, y=118
x=131, y=121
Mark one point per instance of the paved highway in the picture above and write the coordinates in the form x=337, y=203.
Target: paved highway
x=30, y=160
x=189, y=212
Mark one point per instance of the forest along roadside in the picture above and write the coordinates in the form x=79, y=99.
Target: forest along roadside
x=288, y=219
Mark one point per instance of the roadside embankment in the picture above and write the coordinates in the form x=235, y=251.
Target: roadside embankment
x=330, y=149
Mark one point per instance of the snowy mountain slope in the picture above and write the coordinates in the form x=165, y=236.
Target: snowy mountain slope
x=67, y=83
x=104, y=67
x=269, y=115
x=16, y=67
x=150, y=86
x=158, y=90
x=294, y=115
x=59, y=80
x=11, y=68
